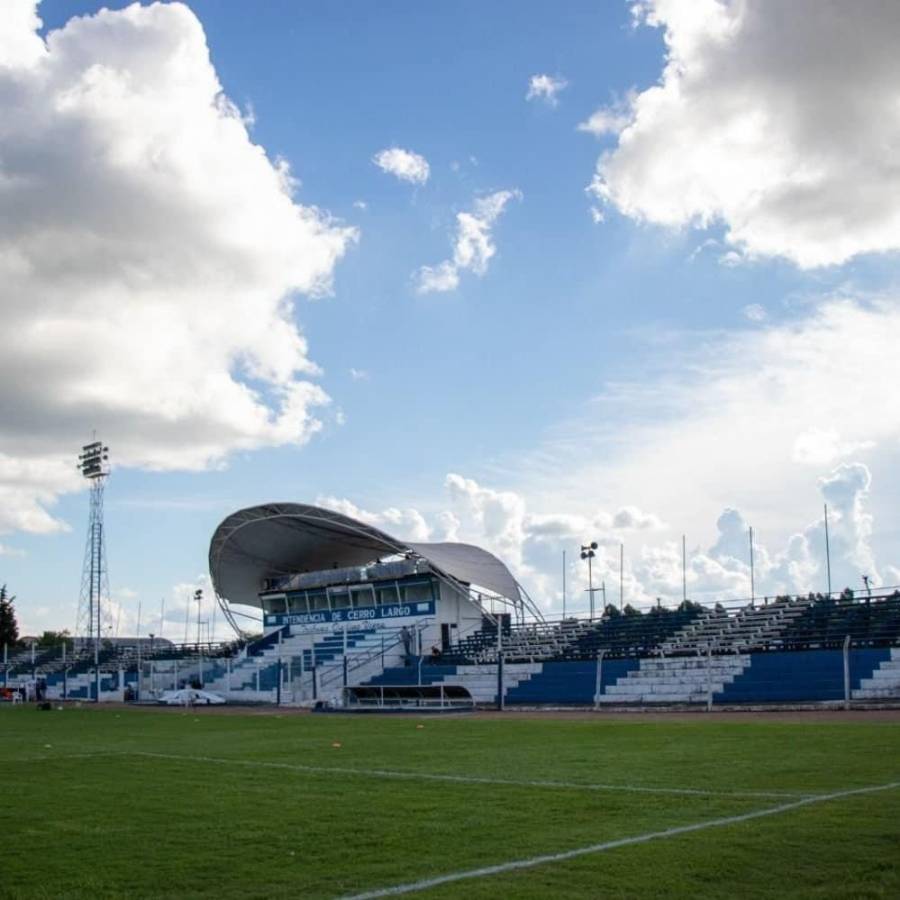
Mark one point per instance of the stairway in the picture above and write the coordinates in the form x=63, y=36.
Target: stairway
x=884, y=683
x=682, y=679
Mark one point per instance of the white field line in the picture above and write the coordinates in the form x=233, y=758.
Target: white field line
x=49, y=757
x=425, y=884
x=464, y=779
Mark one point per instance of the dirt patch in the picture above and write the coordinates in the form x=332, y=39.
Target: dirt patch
x=783, y=716
x=775, y=715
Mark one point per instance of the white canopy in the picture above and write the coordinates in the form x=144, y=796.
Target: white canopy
x=278, y=539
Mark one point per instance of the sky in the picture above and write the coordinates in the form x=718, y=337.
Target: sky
x=521, y=275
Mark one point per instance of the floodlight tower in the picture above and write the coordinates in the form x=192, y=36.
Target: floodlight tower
x=93, y=463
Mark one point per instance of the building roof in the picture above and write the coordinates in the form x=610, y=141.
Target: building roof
x=278, y=539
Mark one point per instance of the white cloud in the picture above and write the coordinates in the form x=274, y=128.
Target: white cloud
x=727, y=419
x=823, y=446
x=630, y=518
x=776, y=119
x=149, y=254
x=6, y=550
x=361, y=205
x=405, y=523
x=754, y=312
x=546, y=88
x=404, y=164
x=474, y=246
x=20, y=46
x=359, y=374
x=438, y=279
x=610, y=119
x=532, y=545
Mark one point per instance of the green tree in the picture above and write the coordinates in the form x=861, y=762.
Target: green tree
x=53, y=638
x=9, y=628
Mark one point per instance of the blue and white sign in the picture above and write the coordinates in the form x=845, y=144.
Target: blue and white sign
x=361, y=614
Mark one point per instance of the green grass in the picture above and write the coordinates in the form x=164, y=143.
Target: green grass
x=217, y=819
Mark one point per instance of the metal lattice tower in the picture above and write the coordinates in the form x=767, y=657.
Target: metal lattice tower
x=93, y=602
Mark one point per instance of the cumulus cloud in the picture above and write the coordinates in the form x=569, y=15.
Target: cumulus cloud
x=406, y=523
x=546, y=88
x=532, y=544
x=149, y=257
x=821, y=446
x=631, y=518
x=474, y=245
x=610, y=120
x=404, y=164
x=777, y=120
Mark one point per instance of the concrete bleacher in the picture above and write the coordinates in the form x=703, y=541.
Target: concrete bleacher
x=827, y=621
x=749, y=627
x=253, y=675
x=620, y=634
x=783, y=650
x=884, y=681
x=684, y=679
x=631, y=633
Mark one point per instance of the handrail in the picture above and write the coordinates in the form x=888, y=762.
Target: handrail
x=366, y=657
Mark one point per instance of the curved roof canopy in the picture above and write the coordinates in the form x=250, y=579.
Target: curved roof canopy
x=279, y=539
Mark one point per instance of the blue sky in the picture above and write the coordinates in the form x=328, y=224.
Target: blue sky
x=627, y=379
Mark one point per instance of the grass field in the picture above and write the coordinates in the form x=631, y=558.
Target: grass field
x=167, y=803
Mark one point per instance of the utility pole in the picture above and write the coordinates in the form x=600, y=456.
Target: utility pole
x=683, y=569
x=827, y=551
x=752, y=579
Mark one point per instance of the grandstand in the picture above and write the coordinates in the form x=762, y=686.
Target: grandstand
x=345, y=605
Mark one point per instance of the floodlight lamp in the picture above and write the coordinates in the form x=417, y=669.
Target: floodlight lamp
x=593, y=545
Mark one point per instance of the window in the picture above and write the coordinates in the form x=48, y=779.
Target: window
x=418, y=592
x=363, y=596
x=387, y=593
x=340, y=598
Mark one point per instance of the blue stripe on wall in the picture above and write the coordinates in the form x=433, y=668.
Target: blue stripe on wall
x=569, y=682
x=783, y=677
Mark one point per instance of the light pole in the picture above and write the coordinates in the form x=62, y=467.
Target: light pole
x=198, y=596
x=587, y=552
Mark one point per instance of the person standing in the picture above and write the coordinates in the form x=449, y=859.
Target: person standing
x=406, y=637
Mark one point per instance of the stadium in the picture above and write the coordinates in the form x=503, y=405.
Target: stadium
x=353, y=617
x=708, y=751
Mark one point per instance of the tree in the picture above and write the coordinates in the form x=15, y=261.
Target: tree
x=9, y=628
x=53, y=638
